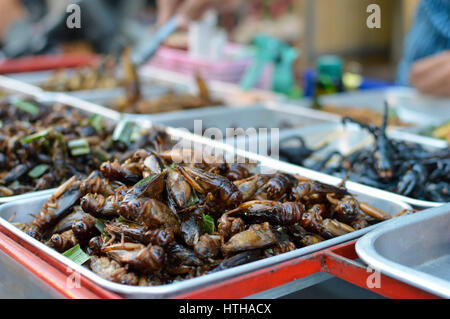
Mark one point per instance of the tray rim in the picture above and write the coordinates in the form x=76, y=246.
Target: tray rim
x=366, y=251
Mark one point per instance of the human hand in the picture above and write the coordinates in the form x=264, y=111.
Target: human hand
x=431, y=75
x=191, y=10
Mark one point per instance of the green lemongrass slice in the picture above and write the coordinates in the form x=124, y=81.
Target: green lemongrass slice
x=194, y=199
x=38, y=171
x=77, y=255
x=79, y=147
x=80, y=151
x=35, y=136
x=208, y=224
x=80, y=143
x=122, y=132
x=100, y=155
x=96, y=121
x=145, y=180
x=27, y=106
x=100, y=225
x=123, y=220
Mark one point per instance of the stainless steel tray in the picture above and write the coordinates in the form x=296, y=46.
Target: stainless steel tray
x=12, y=86
x=414, y=249
x=410, y=106
x=230, y=93
x=377, y=198
x=345, y=139
x=149, y=87
x=21, y=88
x=153, y=85
x=261, y=115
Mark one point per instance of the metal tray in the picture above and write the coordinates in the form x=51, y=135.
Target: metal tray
x=262, y=115
x=149, y=87
x=153, y=85
x=159, y=82
x=414, y=249
x=20, y=88
x=230, y=93
x=377, y=198
x=345, y=139
x=410, y=106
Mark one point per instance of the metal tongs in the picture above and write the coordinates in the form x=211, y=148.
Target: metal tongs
x=147, y=48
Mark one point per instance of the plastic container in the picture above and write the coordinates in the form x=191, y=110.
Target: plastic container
x=228, y=69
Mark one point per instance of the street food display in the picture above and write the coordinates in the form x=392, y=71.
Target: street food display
x=404, y=168
x=168, y=102
x=85, y=78
x=154, y=220
x=106, y=76
x=42, y=145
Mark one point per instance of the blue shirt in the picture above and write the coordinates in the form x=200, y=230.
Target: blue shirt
x=429, y=35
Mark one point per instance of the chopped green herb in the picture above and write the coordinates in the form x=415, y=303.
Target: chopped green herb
x=96, y=121
x=122, y=132
x=171, y=166
x=79, y=147
x=80, y=143
x=27, y=106
x=100, y=225
x=123, y=220
x=80, y=151
x=77, y=255
x=35, y=136
x=194, y=199
x=208, y=224
x=1, y=123
x=15, y=184
x=269, y=251
x=38, y=171
x=101, y=156
x=145, y=180
x=136, y=134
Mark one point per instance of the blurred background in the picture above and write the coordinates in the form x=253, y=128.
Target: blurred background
x=314, y=27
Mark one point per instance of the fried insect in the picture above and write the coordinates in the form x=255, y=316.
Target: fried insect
x=276, y=213
x=138, y=256
x=62, y=242
x=181, y=221
x=57, y=207
x=205, y=182
x=257, y=236
x=280, y=184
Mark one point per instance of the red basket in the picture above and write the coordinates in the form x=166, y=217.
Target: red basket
x=46, y=62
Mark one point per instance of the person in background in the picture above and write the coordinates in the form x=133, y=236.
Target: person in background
x=426, y=59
